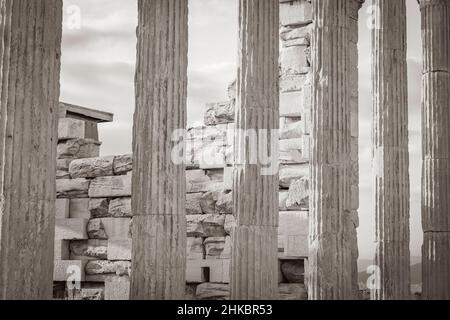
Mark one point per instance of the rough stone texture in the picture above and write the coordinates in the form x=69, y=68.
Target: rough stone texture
x=254, y=270
x=123, y=164
x=117, y=288
x=110, y=187
x=102, y=267
x=332, y=242
x=194, y=247
x=78, y=148
x=119, y=249
x=390, y=150
x=292, y=292
x=91, y=167
x=71, y=129
x=207, y=225
x=217, y=113
x=213, y=291
x=99, y=207
x=88, y=250
x=30, y=53
x=120, y=207
x=158, y=201
x=72, y=188
x=436, y=150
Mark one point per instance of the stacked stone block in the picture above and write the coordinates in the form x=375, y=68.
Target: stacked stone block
x=94, y=204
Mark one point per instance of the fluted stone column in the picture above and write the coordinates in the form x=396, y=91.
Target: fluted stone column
x=436, y=149
x=30, y=53
x=254, y=270
x=390, y=149
x=332, y=246
x=159, y=186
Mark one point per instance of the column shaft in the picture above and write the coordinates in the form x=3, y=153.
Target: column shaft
x=30, y=52
x=332, y=256
x=390, y=149
x=436, y=149
x=254, y=270
x=159, y=186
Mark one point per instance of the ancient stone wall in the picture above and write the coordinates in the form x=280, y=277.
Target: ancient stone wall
x=94, y=193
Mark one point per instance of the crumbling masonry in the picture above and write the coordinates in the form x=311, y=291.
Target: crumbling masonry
x=210, y=228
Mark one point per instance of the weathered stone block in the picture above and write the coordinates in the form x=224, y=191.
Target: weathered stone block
x=208, y=203
x=195, y=249
x=62, y=208
x=71, y=129
x=230, y=223
x=295, y=13
x=294, y=231
x=72, y=188
x=292, y=292
x=89, y=292
x=221, y=112
x=99, y=207
x=291, y=104
x=293, y=60
x=91, y=167
x=119, y=249
x=103, y=267
x=96, y=230
x=214, y=247
x=120, y=207
x=218, y=248
x=117, y=288
x=111, y=187
x=292, y=130
x=224, y=203
x=208, y=225
x=62, y=175
x=78, y=149
x=61, y=250
x=88, y=250
x=123, y=164
x=213, y=291
x=203, y=181
x=288, y=174
x=228, y=178
x=298, y=195
x=109, y=228
x=193, y=203
x=63, y=164
x=197, y=271
x=70, y=229
x=79, y=208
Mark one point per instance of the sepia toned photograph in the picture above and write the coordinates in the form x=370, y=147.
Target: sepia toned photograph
x=224, y=150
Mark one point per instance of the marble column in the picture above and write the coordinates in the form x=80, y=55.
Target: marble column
x=254, y=270
x=390, y=149
x=332, y=243
x=30, y=53
x=159, y=186
x=436, y=149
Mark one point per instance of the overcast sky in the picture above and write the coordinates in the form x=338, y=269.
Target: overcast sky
x=98, y=72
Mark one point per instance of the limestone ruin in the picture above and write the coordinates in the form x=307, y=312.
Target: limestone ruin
x=213, y=226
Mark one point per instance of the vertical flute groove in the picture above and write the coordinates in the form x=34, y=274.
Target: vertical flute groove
x=390, y=153
x=254, y=270
x=159, y=186
x=435, y=142
x=30, y=52
x=332, y=242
